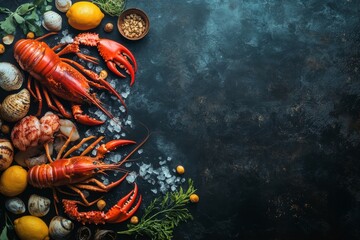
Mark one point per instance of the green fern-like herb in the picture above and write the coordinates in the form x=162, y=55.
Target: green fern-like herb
x=163, y=214
x=111, y=7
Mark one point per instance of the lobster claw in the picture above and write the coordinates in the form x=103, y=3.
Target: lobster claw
x=112, y=145
x=83, y=118
x=120, y=212
x=123, y=210
x=116, y=54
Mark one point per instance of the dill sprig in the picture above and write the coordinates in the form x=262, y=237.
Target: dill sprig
x=111, y=7
x=163, y=214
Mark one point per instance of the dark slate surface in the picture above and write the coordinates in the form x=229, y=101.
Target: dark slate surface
x=259, y=100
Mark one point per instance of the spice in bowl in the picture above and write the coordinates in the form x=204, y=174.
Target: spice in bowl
x=133, y=24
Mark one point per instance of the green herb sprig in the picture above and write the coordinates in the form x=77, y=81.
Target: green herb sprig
x=8, y=229
x=163, y=215
x=111, y=7
x=26, y=16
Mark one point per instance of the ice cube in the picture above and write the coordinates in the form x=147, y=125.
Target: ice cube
x=161, y=177
x=122, y=108
x=170, y=180
x=90, y=65
x=101, y=129
x=154, y=190
x=163, y=188
x=106, y=181
x=98, y=69
x=131, y=177
x=151, y=181
x=103, y=117
x=169, y=159
x=162, y=162
x=173, y=188
x=128, y=164
x=117, y=128
x=140, y=151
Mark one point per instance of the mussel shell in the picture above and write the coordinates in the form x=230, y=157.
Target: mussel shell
x=6, y=154
x=15, y=106
x=15, y=205
x=38, y=206
x=52, y=21
x=83, y=233
x=105, y=235
x=60, y=227
x=11, y=78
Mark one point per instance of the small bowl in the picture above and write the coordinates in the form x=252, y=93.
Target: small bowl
x=138, y=12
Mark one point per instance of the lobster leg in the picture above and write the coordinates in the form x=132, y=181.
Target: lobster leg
x=60, y=107
x=100, y=187
x=48, y=100
x=81, y=194
x=93, y=76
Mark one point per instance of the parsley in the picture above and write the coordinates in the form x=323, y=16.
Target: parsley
x=26, y=16
x=163, y=215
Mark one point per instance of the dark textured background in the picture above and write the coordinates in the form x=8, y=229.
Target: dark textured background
x=259, y=100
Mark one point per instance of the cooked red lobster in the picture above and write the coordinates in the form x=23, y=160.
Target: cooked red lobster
x=78, y=173
x=64, y=78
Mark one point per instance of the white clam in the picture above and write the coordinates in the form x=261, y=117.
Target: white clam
x=60, y=228
x=11, y=78
x=38, y=206
x=52, y=21
x=15, y=106
x=63, y=5
x=15, y=205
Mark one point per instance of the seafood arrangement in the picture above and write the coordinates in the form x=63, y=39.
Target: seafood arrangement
x=46, y=153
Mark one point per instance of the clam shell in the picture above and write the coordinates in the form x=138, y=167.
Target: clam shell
x=8, y=39
x=38, y=206
x=15, y=106
x=15, y=205
x=60, y=227
x=63, y=5
x=11, y=78
x=52, y=21
x=105, y=235
x=6, y=154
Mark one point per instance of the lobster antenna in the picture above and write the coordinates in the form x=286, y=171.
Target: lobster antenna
x=45, y=36
x=135, y=149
